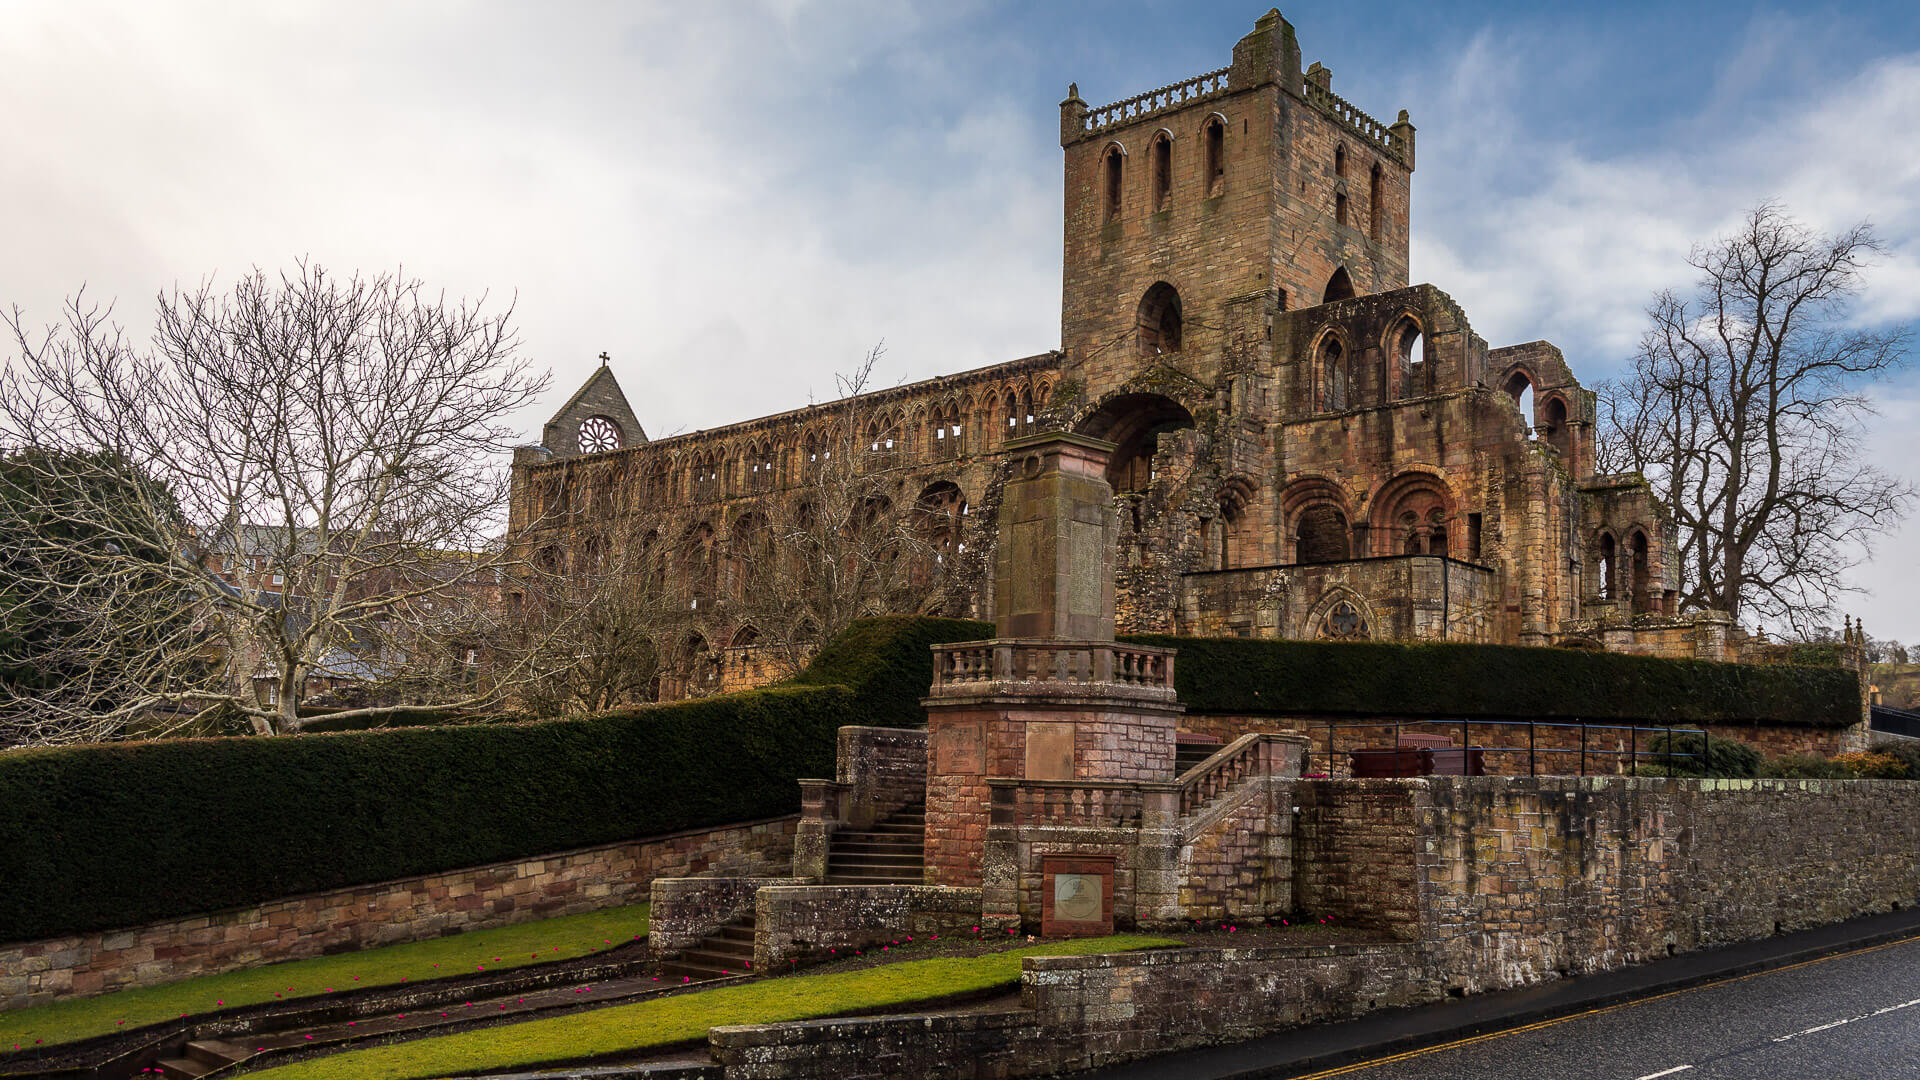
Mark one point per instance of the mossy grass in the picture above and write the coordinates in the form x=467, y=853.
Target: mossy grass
x=568, y=937
x=644, y=1025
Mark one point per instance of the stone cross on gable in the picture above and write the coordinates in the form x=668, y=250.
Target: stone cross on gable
x=603, y=358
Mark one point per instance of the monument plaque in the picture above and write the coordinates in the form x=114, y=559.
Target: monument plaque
x=960, y=749
x=1076, y=895
x=1050, y=750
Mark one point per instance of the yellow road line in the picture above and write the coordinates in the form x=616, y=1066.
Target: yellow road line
x=1472, y=1040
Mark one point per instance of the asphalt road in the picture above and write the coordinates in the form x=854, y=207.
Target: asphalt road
x=1852, y=1015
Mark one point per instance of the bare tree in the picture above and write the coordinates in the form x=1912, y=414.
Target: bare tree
x=331, y=453
x=1744, y=409
x=595, y=625
x=850, y=541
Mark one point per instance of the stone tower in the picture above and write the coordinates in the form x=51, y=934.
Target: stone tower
x=1197, y=211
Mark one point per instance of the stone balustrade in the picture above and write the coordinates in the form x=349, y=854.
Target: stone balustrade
x=1249, y=756
x=1366, y=127
x=1087, y=804
x=1199, y=88
x=1051, y=667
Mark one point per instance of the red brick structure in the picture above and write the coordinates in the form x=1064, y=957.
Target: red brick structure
x=1307, y=444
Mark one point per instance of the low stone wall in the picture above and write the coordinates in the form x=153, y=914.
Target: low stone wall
x=384, y=913
x=1086, y=1012
x=684, y=910
x=796, y=922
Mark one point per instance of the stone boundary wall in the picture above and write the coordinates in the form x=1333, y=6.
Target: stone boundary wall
x=1525, y=879
x=1087, y=1012
x=1556, y=748
x=1497, y=882
x=796, y=922
x=383, y=913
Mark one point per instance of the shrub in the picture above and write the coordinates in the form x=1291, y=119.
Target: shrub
x=1907, y=752
x=1250, y=676
x=1872, y=766
x=1804, y=767
x=120, y=834
x=1720, y=759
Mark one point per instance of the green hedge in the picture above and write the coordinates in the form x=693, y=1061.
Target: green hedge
x=1363, y=679
x=889, y=663
x=113, y=835
x=118, y=834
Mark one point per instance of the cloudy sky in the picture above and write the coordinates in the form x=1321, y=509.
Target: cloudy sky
x=736, y=199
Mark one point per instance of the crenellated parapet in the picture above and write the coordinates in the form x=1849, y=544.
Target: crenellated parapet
x=1078, y=122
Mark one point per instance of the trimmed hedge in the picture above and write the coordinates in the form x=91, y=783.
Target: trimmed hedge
x=1366, y=679
x=888, y=662
x=121, y=834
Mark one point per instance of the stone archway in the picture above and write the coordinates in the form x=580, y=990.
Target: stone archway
x=1134, y=423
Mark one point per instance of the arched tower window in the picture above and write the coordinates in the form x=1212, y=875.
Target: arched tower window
x=1340, y=160
x=1159, y=320
x=1553, y=426
x=1607, y=558
x=1410, y=349
x=1373, y=203
x=1111, y=170
x=1339, y=287
x=1333, y=375
x=1642, y=573
x=1162, y=159
x=1216, y=139
x=1520, y=388
x=1340, y=208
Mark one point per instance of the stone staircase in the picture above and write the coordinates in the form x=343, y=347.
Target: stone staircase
x=722, y=954
x=1190, y=751
x=889, y=853
x=202, y=1056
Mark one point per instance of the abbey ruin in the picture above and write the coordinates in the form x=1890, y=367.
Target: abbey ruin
x=1309, y=445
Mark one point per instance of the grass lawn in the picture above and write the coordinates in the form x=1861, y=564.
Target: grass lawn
x=565, y=938
x=663, y=1021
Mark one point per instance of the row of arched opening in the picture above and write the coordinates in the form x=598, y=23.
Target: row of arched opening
x=1546, y=419
x=1624, y=571
x=1376, y=194
x=1343, y=380
x=1163, y=163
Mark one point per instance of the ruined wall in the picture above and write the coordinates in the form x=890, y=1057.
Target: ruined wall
x=409, y=909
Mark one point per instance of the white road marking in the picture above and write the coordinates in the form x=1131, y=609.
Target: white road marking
x=1850, y=1020
x=1664, y=1072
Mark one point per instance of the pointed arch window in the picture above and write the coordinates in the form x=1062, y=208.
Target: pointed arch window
x=1161, y=157
x=1111, y=188
x=1373, y=203
x=1333, y=375
x=1215, y=135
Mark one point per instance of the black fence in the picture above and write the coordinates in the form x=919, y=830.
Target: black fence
x=1895, y=721
x=1611, y=745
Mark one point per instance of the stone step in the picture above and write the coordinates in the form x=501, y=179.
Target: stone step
x=875, y=857
x=736, y=932
x=890, y=839
x=215, y=1053
x=184, y=1068
x=722, y=963
x=872, y=878
x=731, y=946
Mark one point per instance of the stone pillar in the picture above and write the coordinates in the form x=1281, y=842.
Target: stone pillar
x=1053, y=573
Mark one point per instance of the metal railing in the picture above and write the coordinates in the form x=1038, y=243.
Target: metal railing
x=1589, y=751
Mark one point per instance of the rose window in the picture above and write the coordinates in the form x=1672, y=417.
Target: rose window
x=598, y=435
x=1344, y=623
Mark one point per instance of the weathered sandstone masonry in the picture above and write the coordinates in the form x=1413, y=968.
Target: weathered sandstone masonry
x=408, y=909
x=1491, y=882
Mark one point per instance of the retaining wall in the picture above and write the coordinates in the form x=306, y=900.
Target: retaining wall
x=385, y=913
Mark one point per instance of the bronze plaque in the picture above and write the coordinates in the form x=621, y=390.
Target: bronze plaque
x=959, y=749
x=1076, y=895
x=1050, y=750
